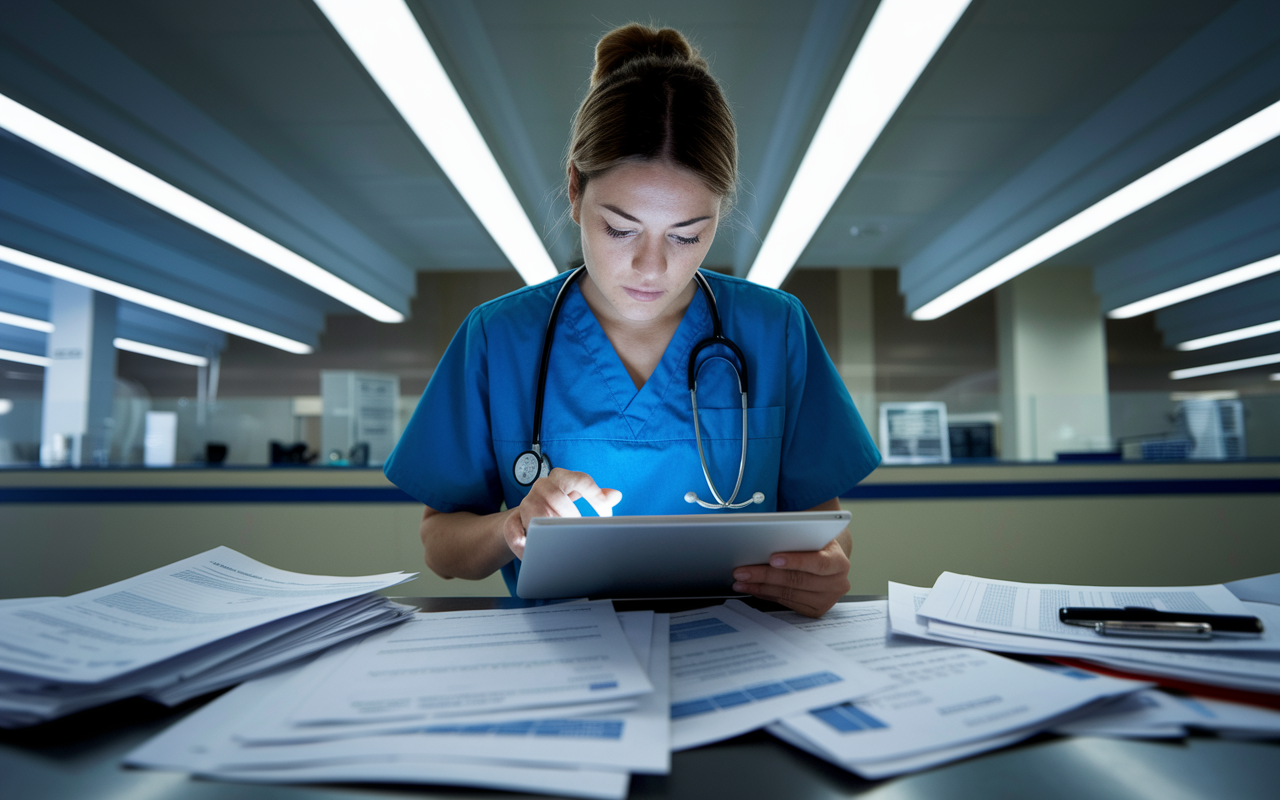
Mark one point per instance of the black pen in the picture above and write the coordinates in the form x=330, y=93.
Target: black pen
x=1138, y=621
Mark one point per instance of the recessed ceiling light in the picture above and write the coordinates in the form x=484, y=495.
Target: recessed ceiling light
x=1198, y=288
x=1205, y=157
x=161, y=352
x=96, y=160
x=1225, y=366
x=62, y=272
x=386, y=38
x=899, y=43
x=24, y=358
x=25, y=322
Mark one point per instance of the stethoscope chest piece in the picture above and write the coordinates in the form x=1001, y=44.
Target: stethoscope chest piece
x=530, y=466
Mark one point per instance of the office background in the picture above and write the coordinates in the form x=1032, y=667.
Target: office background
x=1078, y=451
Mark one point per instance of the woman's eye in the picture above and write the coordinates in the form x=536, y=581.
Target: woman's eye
x=686, y=239
x=614, y=232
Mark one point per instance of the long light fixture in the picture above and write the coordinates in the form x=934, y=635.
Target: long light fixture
x=386, y=38
x=25, y=322
x=1225, y=366
x=24, y=358
x=49, y=135
x=898, y=44
x=120, y=344
x=1230, y=336
x=72, y=275
x=1205, y=157
x=160, y=352
x=1198, y=288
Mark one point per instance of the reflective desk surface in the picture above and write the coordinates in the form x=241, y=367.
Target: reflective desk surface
x=79, y=757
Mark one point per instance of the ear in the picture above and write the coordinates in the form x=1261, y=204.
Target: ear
x=575, y=195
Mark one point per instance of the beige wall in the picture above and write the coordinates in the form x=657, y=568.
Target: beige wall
x=1161, y=539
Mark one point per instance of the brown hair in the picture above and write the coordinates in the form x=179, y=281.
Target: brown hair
x=652, y=97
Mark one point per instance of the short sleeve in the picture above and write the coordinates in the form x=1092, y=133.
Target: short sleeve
x=826, y=449
x=445, y=457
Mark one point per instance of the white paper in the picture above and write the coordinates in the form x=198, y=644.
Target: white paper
x=1149, y=714
x=942, y=696
x=730, y=674
x=466, y=663
x=1231, y=718
x=1032, y=609
x=635, y=741
x=901, y=766
x=107, y=632
x=197, y=742
x=1238, y=670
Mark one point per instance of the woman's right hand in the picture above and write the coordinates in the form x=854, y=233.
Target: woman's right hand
x=553, y=496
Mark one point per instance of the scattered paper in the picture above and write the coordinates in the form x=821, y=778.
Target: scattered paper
x=730, y=674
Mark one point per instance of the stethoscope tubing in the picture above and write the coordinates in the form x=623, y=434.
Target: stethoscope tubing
x=717, y=338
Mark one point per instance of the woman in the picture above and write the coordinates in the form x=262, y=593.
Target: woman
x=652, y=169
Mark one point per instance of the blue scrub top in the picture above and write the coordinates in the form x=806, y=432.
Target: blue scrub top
x=807, y=443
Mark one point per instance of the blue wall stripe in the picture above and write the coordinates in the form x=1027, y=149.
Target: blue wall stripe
x=209, y=494
x=881, y=491
x=913, y=491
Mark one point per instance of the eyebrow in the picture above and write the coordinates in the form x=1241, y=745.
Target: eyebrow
x=684, y=224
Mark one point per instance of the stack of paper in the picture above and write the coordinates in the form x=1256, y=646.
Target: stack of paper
x=943, y=702
x=564, y=699
x=201, y=624
x=1023, y=618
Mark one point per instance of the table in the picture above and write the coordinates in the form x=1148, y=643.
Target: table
x=78, y=758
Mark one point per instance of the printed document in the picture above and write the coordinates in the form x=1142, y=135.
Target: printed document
x=197, y=744
x=1032, y=609
x=1251, y=671
x=942, y=696
x=474, y=662
x=101, y=634
x=730, y=674
x=634, y=741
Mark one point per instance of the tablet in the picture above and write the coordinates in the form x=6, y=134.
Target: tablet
x=674, y=556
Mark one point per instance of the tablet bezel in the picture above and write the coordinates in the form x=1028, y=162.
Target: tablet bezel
x=666, y=556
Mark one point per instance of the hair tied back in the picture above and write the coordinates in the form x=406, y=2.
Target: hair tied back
x=635, y=41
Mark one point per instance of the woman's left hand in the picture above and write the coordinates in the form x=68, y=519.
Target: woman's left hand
x=810, y=583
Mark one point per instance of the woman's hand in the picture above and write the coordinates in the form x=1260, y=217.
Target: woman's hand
x=809, y=583
x=553, y=496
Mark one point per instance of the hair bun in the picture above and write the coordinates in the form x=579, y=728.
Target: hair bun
x=630, y=42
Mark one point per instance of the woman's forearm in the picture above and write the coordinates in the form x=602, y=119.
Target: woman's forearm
x=464, y=545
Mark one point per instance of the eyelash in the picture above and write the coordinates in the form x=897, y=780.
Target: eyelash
x=617, y=234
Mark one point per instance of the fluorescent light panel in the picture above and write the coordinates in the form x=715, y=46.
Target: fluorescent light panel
x=25, y=322
x=120, y=344
x=160, y=352
x=23, y=358
x=1225, y=366
x=899, y=42
x=62, y=272
x=45, y=133
x=1205, y=157
x=1231, y=336
x=1198, y=288
x=386, y=38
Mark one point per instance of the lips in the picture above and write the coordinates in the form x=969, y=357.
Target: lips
x=642, y=295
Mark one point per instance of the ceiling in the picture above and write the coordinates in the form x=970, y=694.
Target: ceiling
x=1030, y=112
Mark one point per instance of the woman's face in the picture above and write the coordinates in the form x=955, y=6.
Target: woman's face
x=646, y=226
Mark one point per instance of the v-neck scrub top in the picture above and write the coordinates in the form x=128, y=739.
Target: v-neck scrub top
x=806, y=442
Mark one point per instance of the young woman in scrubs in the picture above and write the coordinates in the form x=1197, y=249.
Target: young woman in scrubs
x=652, y=168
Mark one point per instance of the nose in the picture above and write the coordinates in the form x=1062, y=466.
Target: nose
x=650, y=259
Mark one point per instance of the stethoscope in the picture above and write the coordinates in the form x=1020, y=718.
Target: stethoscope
x=533, y=464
